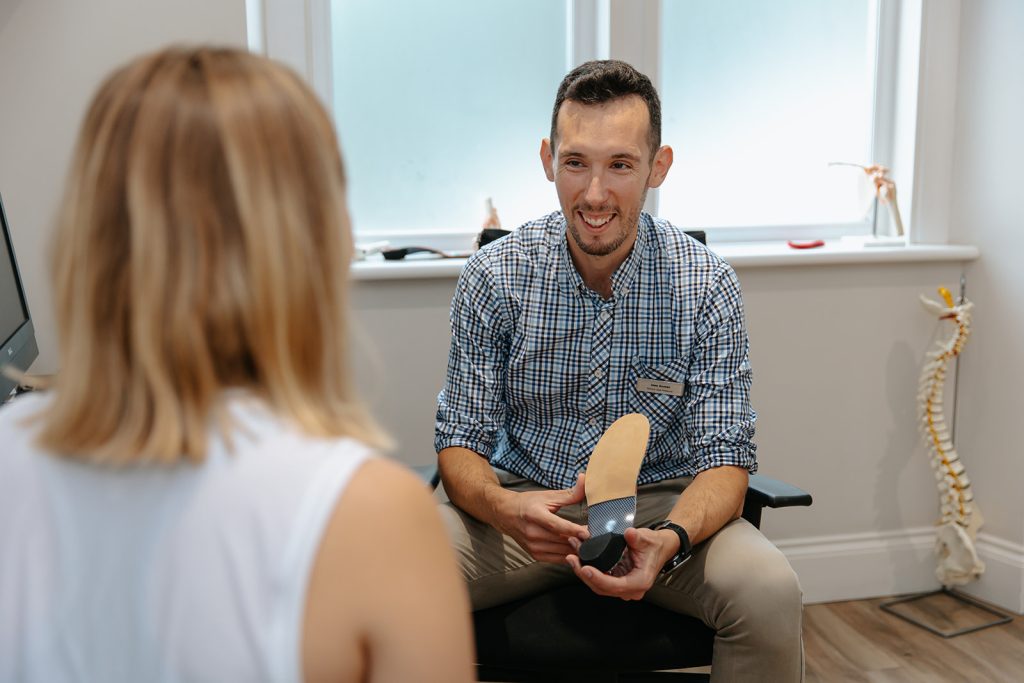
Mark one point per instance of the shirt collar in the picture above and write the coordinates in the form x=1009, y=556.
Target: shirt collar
x=569, y=278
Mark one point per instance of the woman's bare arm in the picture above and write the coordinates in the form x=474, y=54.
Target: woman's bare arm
x=385, y=593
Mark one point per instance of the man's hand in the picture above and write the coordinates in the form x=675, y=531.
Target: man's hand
x=530, y=519
x=646, y=553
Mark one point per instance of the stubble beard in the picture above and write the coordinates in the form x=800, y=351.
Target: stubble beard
x=603, y=248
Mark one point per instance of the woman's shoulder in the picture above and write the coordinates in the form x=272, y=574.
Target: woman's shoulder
x=387, y=490
x=18, y=418
x=23, y=406
x=385, y=514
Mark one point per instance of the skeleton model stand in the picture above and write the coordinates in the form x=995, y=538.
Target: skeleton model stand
x=958, y=563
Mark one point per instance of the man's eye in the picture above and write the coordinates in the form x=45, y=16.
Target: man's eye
x=620, y=166
x=574, y=163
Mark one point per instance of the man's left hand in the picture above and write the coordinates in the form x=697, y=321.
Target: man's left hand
x=646, y=553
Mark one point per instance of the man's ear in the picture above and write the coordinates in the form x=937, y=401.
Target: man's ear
x=547, y=157
x=659, y=169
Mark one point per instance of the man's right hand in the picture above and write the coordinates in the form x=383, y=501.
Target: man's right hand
x=529, y=518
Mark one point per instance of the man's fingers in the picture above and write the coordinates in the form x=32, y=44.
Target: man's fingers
x=617, y=587
x=641, y=541
x=637, y=540
x=562, y=527
x=577, y=493
x=567, y=529
x=544, y=523
x=558, y=549
x=551, y=558
x=594, y=579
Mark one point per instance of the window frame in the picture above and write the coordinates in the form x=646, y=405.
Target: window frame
x=913, y=107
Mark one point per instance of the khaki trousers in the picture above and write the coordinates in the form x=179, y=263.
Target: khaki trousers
x=737, y=582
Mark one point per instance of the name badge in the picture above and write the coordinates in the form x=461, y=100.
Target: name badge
x=657, y=386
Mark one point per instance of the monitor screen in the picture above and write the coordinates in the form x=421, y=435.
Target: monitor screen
x=17, y=337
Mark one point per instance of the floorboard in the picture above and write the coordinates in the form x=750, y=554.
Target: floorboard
x=856, y=641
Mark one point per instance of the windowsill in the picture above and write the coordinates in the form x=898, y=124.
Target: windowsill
x=738, y=254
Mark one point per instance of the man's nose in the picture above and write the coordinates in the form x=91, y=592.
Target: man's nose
x=596, y=190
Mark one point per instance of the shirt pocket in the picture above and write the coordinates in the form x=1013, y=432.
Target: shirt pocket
x=664, y=409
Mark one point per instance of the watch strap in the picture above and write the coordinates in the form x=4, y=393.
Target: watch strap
x=685, y=547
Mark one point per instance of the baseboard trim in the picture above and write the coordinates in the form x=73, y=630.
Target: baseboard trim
x=1003, y=581
x=873, y=564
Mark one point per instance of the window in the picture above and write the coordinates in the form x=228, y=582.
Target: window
x=758, y=98
x=441, y=105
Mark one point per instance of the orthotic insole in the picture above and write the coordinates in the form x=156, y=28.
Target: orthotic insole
x=611, y=489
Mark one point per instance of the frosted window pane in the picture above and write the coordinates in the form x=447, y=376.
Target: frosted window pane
x=441, y=104
x=758, y=97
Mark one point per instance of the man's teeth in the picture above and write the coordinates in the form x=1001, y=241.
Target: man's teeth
x=597, y=222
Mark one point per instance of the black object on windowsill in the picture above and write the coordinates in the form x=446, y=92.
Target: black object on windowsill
x=401, y=253
x=488, y=235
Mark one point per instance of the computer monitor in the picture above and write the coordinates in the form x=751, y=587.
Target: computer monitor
x=17, y=336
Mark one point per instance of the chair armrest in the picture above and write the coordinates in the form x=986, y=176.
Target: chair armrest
x=765, y=492
x=428, y=473
x=772, y=493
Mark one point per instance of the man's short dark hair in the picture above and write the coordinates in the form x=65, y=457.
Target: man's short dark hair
x=604, y=80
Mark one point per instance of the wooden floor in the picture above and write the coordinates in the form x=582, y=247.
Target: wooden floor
x=857, y=641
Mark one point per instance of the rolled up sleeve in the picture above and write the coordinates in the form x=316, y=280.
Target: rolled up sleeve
x=718, y=413
x=471, y=406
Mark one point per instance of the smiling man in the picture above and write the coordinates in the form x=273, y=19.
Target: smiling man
x=606, y=159
x=581, y=317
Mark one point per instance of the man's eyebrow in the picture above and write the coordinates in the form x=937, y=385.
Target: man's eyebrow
x=628, y=156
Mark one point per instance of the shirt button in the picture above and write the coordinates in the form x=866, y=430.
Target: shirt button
x=599, y=373
x=593, y=421
x=604, y=316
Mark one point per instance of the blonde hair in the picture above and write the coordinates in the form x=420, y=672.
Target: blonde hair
x=203, y=244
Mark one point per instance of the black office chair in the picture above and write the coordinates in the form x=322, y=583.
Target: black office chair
x=563, y=634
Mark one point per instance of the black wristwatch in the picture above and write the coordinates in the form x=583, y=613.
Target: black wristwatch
x=685, y=547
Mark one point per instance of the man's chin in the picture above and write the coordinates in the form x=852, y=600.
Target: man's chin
x=600, y=242
x=596, y=247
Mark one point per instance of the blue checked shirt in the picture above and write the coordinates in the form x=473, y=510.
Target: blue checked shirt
x=540, y=365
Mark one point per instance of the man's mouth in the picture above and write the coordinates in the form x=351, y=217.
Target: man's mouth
x=596, y=220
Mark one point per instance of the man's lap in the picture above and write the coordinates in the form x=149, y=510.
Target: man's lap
x=497, y=570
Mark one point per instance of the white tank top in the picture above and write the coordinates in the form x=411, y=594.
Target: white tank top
x=189, y=573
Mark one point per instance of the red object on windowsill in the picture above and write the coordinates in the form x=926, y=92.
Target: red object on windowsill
x=805, y=244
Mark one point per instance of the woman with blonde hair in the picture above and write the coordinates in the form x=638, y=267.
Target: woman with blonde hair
x=197, y=498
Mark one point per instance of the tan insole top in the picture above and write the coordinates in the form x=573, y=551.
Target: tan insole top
x=615, y=463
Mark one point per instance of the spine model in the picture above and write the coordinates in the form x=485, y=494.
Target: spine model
x=960, y=518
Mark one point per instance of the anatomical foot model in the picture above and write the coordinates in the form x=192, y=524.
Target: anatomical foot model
x=611, y=489
x=958, y=562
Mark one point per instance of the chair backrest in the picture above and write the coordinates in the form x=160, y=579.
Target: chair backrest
x=698, y=235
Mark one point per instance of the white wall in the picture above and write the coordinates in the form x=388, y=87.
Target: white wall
x=53, y=55
x=988, y=211
x=836, y=354
x=836, y=351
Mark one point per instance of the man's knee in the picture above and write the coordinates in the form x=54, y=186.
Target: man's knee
x=774, y=589
x=765, y=595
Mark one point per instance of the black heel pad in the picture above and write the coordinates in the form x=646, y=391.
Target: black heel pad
x=602, y=552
